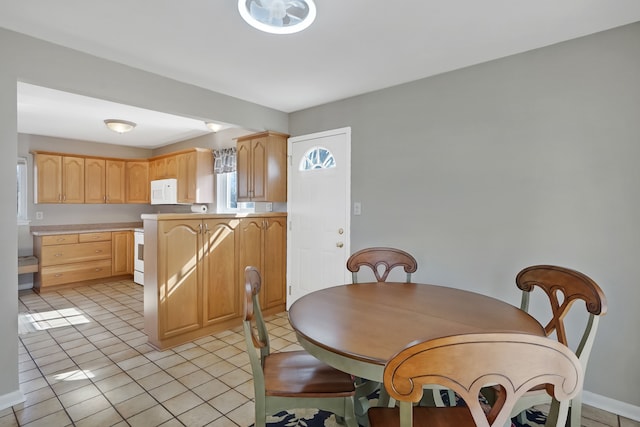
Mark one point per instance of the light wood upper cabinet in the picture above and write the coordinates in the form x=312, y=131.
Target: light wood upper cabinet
x=163, y=167
x=115, y=181
x=137, y=180
x=72, y=179
x=262, y=167
x=94, y=180
x=195, y=176
x=59, y=179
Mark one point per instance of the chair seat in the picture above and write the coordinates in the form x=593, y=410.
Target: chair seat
x=299, y=374
x=457, y=416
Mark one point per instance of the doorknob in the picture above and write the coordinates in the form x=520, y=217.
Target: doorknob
x=339, y=244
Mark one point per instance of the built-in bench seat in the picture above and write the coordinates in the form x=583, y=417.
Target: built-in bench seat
x=27, y=264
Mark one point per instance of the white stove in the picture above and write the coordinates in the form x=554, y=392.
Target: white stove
x=138, y=256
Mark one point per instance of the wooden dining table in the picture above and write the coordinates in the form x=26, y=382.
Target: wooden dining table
x=357, y=328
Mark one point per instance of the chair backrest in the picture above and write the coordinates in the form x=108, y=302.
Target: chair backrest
x=255, y=329
x=564, y=286
x=387, y=258
x=466, y=363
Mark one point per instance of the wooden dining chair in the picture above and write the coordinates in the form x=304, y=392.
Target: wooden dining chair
x=293, y=379
x=381, y=260
x=466, y=363
x=563, y=287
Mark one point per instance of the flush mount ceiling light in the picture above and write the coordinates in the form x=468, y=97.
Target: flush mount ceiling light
x=120, y=126
x=213, y=126
x=278, y=16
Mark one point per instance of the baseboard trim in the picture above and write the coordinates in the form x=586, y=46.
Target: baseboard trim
x=626, y=410
x=10, y=399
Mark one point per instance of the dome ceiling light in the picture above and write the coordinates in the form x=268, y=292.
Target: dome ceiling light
x=278, y=16
x=119, y=126
x=215, y=127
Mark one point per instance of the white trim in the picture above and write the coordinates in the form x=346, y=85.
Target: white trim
x=10, y=399
x=617, y=407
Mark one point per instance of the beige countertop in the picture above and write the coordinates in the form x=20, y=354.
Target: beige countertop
x=157, y=217
x=47, y=230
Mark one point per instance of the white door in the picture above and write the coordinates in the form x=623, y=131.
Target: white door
x=318, y=205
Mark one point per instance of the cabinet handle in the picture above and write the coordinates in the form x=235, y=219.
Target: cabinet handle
x=200, y=228
x=58, y=255
x=98, y=251
x=60, y=239
x=59, y=197
x=58, y=275
x=98, y=269
x=206, y=228
x=64, y=198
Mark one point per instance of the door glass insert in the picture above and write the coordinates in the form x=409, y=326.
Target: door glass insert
x=317, y=158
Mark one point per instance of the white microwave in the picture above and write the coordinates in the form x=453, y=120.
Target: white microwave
x=164, y=192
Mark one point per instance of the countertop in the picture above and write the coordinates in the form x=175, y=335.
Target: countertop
x=156, y=217
x=48, y=230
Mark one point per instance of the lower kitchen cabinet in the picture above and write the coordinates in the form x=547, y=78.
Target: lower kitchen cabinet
x=70, y=258
x=122, y=252
x=194, y=273
x=192, y=289
x=263, y=244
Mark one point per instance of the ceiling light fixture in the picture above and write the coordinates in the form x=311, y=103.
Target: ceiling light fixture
x=215, y=127
x=120, y=126
x=278, y=16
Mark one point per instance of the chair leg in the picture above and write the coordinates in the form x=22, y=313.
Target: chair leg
x=576, y=410
x=349, y=413
x=261, y=415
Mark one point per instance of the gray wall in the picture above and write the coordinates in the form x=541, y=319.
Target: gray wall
x=33, y=61
x=525, y=160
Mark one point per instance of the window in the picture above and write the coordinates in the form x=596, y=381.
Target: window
x=227, y=194
x=317, y=158
x=22, y=191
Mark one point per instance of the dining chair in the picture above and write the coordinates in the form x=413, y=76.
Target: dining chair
x=466, y=363
x=563, y=287
x=292, y=379
x=381, y=260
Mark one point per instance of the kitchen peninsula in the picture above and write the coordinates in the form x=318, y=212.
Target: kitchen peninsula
x=194, y=271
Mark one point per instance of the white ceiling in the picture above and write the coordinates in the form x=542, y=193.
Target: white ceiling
x=354, y=47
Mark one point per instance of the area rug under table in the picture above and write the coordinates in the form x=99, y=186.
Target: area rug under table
x=318, y=418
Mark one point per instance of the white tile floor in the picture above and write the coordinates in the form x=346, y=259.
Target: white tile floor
x=84, y=361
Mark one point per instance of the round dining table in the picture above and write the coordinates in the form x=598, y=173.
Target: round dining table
x=357, y=328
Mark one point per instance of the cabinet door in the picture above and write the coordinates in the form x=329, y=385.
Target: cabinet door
x=171, y=167
x=259, y=167
x=274, y=258
x=187, y=169
x=137, y=180
x=122, y=253
x=94, y=180
x=48, y=178
x=72, y=179
x=221, y=295
x=250, y=247
x=115, y=181
x=243, y=165
x=154, y=172
x=179, y=273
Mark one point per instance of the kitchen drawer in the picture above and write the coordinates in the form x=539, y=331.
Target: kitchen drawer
x=59, y=239
x=70, y=273
x=80, y=252
x=94, y=237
